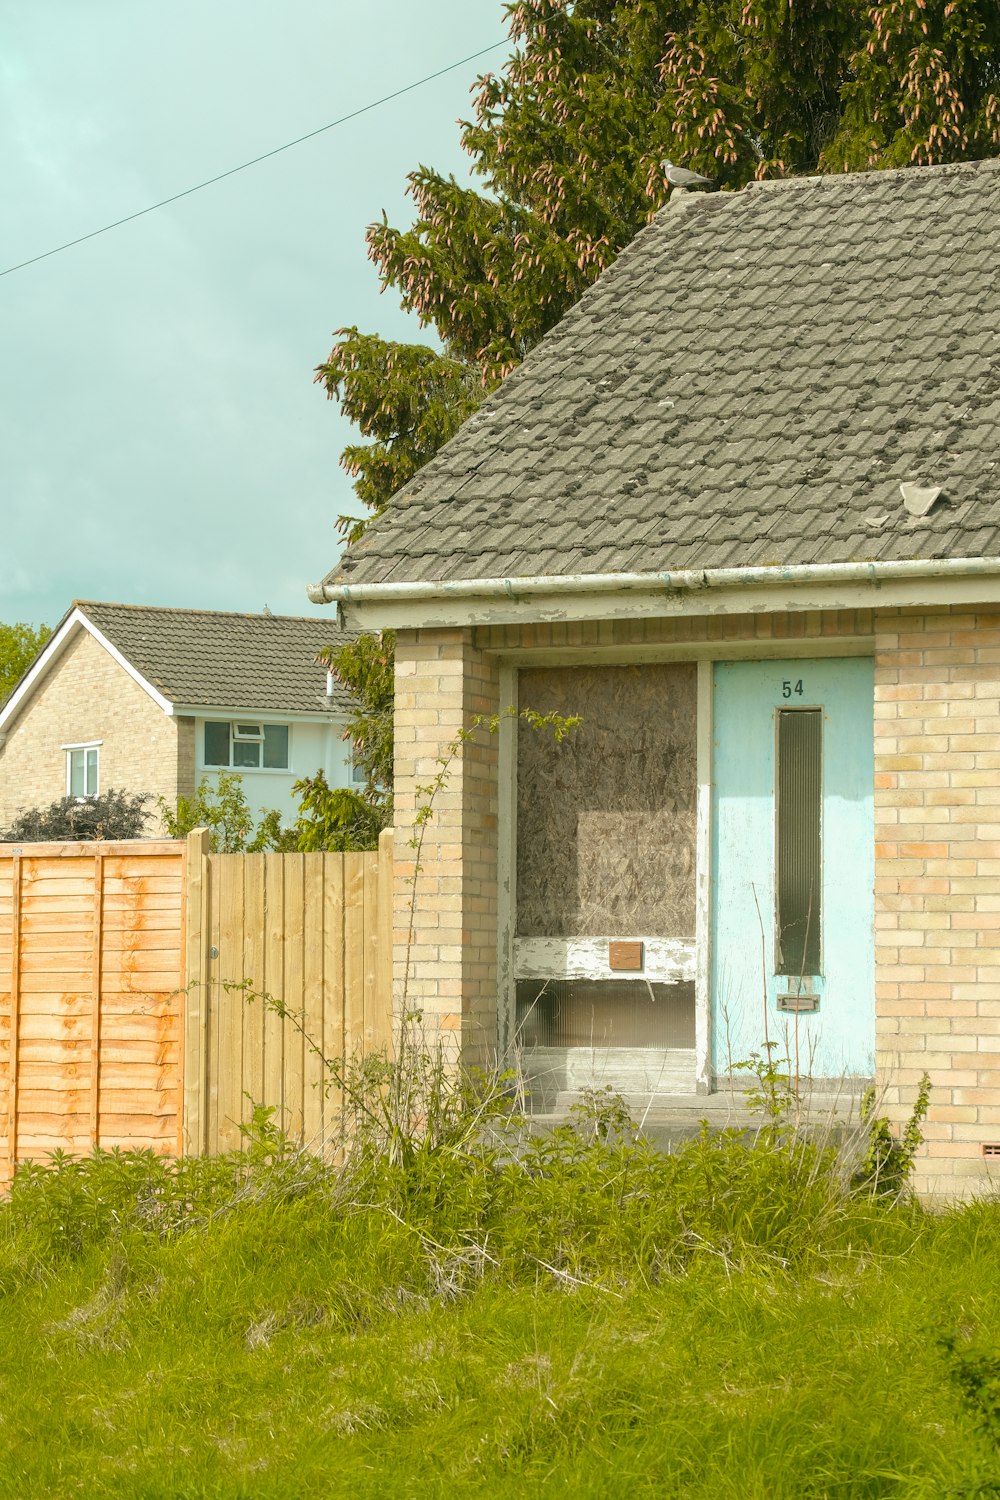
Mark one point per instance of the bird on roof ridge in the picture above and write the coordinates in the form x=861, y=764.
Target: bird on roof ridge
x=683, y=177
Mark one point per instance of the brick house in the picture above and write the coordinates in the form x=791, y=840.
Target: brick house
x=152, y=700
x=740, y=511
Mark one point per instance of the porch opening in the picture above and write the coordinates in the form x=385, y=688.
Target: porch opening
x=606, y=854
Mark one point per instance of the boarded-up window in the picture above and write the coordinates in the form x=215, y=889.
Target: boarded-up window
x=606, y=819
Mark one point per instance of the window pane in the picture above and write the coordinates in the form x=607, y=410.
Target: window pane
x=798, y=853
x=91, y=776
x=249, y=731
x=216, y=744
x=76, y=782
x=276, y=746
x=246, y=753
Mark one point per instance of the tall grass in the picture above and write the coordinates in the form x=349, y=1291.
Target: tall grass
x=457, y=1306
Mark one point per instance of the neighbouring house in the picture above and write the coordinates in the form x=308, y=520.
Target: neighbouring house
x=741, y=511
x=143, y=699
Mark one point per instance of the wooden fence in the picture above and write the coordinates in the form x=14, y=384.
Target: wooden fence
x=126, y=981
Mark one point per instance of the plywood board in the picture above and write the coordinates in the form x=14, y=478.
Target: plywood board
x=606, y=819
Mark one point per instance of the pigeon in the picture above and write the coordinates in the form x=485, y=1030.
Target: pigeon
x=680, y=177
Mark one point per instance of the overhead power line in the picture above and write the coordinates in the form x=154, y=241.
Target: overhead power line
x=209, y=181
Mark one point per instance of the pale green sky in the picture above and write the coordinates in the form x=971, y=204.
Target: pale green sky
x=161, y=441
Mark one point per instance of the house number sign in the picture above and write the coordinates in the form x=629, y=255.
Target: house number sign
x=792, y=689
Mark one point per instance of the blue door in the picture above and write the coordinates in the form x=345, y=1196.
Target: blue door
x=793, y=863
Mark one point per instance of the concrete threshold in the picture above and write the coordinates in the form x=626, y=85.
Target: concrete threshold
x=668, y=1120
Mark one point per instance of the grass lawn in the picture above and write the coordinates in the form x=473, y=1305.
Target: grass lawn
x=589, y=1319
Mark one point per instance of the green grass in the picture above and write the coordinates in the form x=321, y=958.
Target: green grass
x=582, y=1317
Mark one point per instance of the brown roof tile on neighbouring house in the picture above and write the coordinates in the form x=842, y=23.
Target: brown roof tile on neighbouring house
x=201, y=658
x=748, y=385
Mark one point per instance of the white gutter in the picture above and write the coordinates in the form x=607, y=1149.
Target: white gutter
x=577, y=596
x=685, y=578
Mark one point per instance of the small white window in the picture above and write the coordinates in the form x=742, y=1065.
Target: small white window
x=83, y=771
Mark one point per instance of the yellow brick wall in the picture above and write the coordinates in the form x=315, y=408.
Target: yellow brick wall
x=447, y=972
x=937, y=811
x=84, y=696
x=186, y=755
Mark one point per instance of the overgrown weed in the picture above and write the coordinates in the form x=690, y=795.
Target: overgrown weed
x=452, y=1303
x=448, y=1159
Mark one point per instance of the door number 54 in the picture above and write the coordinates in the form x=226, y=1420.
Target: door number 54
x=790, y=688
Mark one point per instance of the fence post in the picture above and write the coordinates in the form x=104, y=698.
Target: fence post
x=15, y=1008
x=95, y=1000
x=195, y=996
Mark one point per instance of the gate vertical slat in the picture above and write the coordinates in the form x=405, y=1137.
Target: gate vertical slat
x=383, y=1027
x=313, y=983
x=370, y=941
x=334, y=1035
x=274, y=980
x=231, y=1003
x=354, y=954
x=292, y=995
x=254, y=1010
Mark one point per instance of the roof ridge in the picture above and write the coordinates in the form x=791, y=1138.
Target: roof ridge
x=886, y=174
x=171, y=609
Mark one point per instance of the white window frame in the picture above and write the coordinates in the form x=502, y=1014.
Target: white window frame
x=235, y=738
x=81, y=748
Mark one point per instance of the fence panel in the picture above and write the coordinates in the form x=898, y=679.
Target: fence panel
x=313, y=931
x=91, y=965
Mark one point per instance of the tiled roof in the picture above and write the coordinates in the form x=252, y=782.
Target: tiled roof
x=747, y=385
x=204, y=658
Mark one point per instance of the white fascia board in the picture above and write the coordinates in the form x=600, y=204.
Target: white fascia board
x=721, y=591
x=53, y=649
x=262, y=715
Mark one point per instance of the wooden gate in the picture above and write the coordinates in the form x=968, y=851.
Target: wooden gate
x=311, y=931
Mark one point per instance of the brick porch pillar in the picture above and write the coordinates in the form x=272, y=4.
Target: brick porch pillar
x=937, y=885
x=446, y=969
